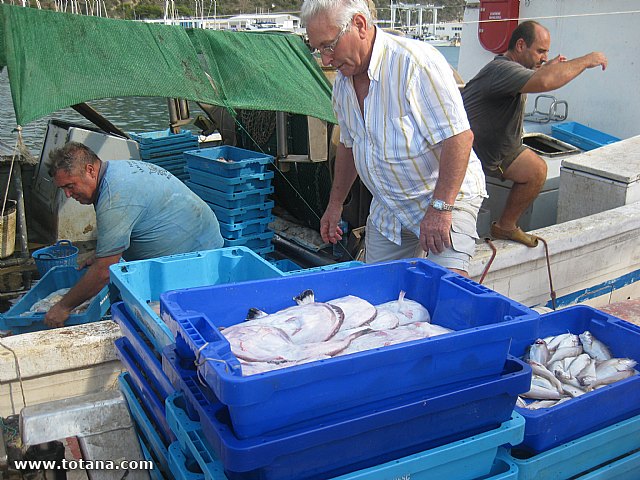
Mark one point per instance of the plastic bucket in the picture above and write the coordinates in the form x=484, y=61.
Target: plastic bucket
x=62, y=253
x=8, y=229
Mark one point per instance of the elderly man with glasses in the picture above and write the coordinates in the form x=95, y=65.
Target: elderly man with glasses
x=404, y=131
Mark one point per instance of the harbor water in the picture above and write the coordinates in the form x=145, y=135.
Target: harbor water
x=133, y=114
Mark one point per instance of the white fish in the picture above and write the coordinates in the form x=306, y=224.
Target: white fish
x=44, y=305
x=554, y=341
x=307, y=322
x=357, y=311
x=578, y=364
x=385, y=320
x=595, y=348
x=588, y=375
x=258, y=343
x=409, y=311
x=541, y=370
x=614, y=365
x=383, y=338
x=564, y=352
x=520, y=402
x=569, y=340
x=542, y=382
x=572, y=390
x=538, y=352
x=540, y=393
x=611, y=378
x=538, y=404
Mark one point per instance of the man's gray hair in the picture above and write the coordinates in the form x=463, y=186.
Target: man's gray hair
x=340, y=10
x=71, y=158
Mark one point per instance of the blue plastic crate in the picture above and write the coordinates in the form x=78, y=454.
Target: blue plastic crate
x=625, y=468
x=145, y=387
x=144, y=354
x=502, y=469
x=286, y=266
x=146, y=429
x=242, y=214
x=231, y=200
x=167, y=151
x=142, y=281
x=263, y=252
x=228, y=161
x=161, y=137
x=467, y=458
x=581, y=455
x=18, y=320
x=485, y=322
x=254, y=242
x=327, y=268
x=232, y=231
x=245, y=183
x=549, y=427
x=581, y=136
x=155, y=473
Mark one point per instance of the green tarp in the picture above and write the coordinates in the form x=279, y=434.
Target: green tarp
x=56, y=60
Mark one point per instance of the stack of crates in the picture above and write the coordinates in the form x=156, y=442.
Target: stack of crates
x=595, y=435
x=166, y=149
x=236, y=184
x=433, y=408
x=140, y=283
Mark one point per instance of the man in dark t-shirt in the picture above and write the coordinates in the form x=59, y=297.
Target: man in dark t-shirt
x=494, y=100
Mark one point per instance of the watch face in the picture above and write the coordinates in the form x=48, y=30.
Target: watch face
x=438, y=204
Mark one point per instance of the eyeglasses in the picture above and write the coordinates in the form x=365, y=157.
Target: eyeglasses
x=330, y=48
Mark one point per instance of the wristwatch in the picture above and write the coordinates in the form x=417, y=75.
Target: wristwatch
x=441, y=205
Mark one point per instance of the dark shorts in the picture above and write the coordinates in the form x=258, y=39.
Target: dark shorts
x=496, y=169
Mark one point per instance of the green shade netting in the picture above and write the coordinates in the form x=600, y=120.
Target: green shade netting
x=263, y=71
x=56, y=60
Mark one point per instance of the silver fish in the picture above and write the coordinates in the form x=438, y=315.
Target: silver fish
x=538, y=352
x=541, y=370
x=595, y=348
x=588, y=375
x=540, y=393
x=613, y=365
x=611, y=378
x=554, y=341
x=572, y=391
x=520, y=402
x=569, y=340
x=409, y=311
x=538, y=404
x=542, y=382
x=564, y=352
x=578, y=364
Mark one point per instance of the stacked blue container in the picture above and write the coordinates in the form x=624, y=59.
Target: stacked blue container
x=165, y=149
x=432, y=408
x=236, y=185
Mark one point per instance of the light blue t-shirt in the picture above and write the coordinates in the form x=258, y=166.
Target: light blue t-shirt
x=143, y=211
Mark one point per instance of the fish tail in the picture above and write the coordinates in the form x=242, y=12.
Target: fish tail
x=305, y=297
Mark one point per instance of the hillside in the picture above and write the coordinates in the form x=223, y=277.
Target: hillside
x=131, y=9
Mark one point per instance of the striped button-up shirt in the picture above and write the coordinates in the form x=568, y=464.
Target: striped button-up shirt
x=413, y=105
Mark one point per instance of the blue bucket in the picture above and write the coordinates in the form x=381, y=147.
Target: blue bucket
x=62, y=253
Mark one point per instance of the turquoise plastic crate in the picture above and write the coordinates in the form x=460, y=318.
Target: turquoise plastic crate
x=242, y=214
x=245, y=183
x=484, y=323
x=256, y=226
x=227, y=161
x=231, y=200
x=581, y=136
x=146, y=430
x=18, y=320
x=625, y=468
x=142, y=281
x=581, y=455
x=254, y=242
x=466, y=459
x=161, y=137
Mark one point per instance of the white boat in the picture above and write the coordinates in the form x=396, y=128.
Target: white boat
x=436, y=42
x=594, y=256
